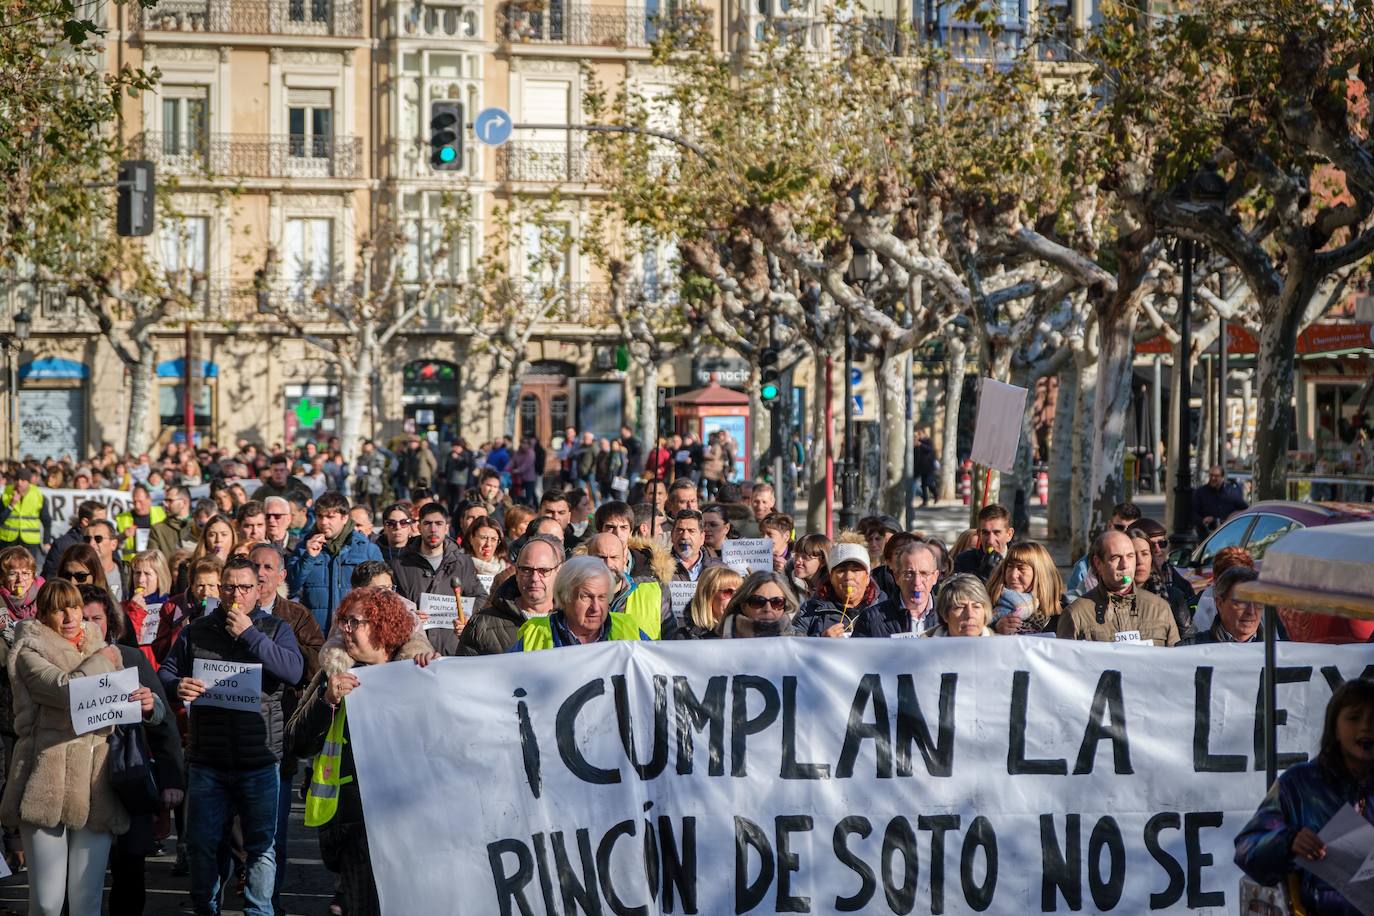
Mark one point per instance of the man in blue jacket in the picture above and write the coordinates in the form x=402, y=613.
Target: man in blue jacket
x=234, y=754
x=318, y=572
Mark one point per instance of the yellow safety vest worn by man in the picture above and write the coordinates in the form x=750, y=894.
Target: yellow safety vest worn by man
x=25, y=521
x=551, y=633
x=322, y=800
x=644, y=605
x=124, y=522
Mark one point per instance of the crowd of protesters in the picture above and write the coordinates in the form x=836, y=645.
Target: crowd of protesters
x=309, y=567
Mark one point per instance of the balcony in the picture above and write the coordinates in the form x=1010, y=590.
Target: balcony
x=234, y=156
x=551, y=162
x=338, y=18
x=556, y=23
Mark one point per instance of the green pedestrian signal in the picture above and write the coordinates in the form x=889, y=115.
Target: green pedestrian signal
x=769, y=389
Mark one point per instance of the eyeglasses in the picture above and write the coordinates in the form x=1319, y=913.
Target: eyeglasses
x=758, y=602
x=238, y=588
x=77, y=575
x=543, y=572
x=1120, y=527
x=349, y=624
x=96, y=538
x=397, y=523
x=278, y=515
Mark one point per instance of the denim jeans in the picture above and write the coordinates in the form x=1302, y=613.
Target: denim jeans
x=214, y=796
x=279, y=844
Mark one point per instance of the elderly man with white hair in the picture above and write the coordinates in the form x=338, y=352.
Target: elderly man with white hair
x=582, y=598
x=278, y=513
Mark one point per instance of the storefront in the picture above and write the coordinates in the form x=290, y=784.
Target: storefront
x=429, y=397
x=52, y=408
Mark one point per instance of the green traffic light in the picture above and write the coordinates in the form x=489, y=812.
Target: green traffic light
x=448, y=154
x=769, y=392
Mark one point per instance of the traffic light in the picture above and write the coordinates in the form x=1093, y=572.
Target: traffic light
x=446, y=136
x=134, y=210
x=770, y=391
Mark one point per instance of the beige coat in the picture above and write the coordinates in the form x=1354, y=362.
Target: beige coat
x=56, y=776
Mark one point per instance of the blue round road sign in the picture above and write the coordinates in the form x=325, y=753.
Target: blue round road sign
x=492, y=126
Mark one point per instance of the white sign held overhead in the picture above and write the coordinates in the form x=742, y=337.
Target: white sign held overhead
x=104, y=699
x=1001, y=408
x=755, y=554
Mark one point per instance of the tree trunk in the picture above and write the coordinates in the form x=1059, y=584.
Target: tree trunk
x=357, y=390
x=896, y=436
x=815, y=492
x=1111, y=406
x=758, y=430
x=518, y=366
x=1278, y=340
x=1061, y=455
x=1081, y=508
x=140, y=394
x=1204, y=446
x=956, y=362
x=648, y=402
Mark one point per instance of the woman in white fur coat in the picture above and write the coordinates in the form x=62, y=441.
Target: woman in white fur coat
x=372, y=626
x=59, y=794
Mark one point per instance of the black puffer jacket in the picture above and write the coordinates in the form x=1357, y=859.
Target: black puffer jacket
x=414, y=575
x=495, y=628
x=822, y=612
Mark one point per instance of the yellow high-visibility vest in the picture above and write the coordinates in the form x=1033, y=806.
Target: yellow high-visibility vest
x=645, y=607
x=24, y=523
x=322, y=800
x=537, y=633
x=124, y=522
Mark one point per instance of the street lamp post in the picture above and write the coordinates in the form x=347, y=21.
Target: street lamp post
x=859, y=273
x=1182, y=445
x=12, y=343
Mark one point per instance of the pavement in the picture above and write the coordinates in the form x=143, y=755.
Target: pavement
x=309, y=885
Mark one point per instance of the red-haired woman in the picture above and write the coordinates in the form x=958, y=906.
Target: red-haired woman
x=372, y=626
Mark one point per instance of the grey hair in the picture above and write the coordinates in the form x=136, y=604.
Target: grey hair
x=577, y=572
x=549, y=541
x=910, y=547
x=272, y=500
x=959, y=589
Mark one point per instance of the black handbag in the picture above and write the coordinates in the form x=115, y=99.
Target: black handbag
x=132, y=774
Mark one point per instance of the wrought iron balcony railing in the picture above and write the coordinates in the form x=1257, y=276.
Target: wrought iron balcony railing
x=231, y=156
x=342, y=18
x=560, y=23
x=552, y=161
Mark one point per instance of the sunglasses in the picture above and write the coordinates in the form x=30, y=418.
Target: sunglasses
x=77, y=576
x=758, y=602
x=729, y=592
x=397, y=523
x=96, y=539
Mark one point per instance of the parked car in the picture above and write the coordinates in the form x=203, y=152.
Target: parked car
x=1261, y=525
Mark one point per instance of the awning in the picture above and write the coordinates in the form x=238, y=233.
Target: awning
x=176, y=368
x=53, y=368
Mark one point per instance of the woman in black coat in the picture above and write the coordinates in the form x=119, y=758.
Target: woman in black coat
x=130, y=850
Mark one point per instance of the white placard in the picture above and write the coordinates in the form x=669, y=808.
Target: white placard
x=1023, y=746
x=140, y=539
x=230, y=685
x=486, y=581
x=62, y=505
x=103, y=699
x=151, y=620
x=1001, y=408
x=1126, y=636
x=442, y=610
x=755, y=554
x=680, y=593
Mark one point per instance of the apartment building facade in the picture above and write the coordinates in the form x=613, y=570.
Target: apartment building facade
x=300, y=127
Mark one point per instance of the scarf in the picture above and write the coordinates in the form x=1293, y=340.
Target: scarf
x=336, y=544
x=826, y=592
x=25, y=606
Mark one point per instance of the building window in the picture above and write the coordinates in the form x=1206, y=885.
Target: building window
x=310, y=121
x=185, y=246
x=309, y=253
x=185, y=120
x=308, y=10
x=171, y=407
x=558, y=411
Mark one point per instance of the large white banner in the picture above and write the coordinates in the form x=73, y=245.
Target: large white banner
x=996, y=775
x=62, y=505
